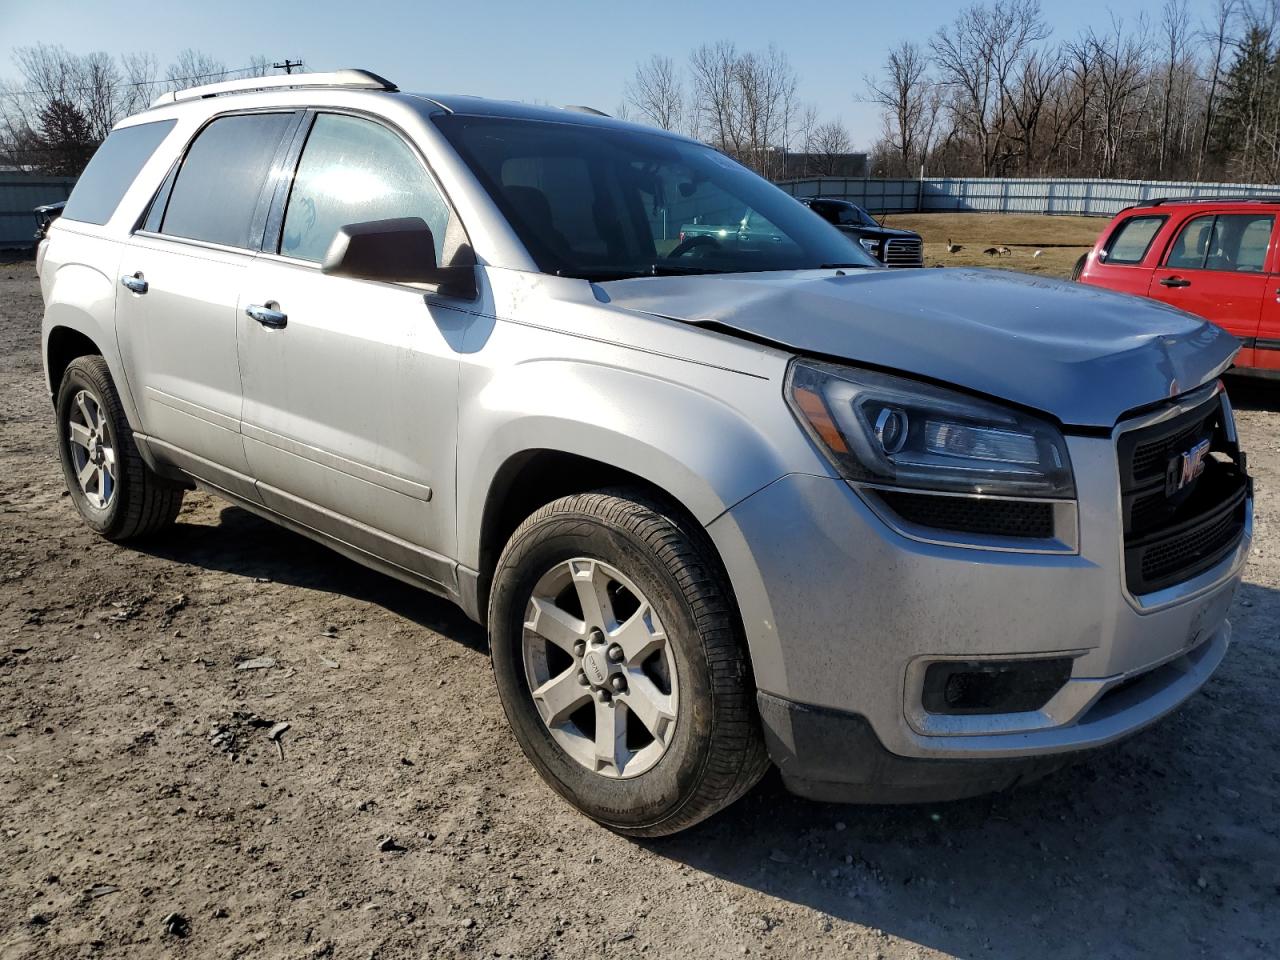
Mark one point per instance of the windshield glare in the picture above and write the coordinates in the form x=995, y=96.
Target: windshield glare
x=603, y=203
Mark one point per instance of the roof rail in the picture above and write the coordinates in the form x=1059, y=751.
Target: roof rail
x=579, y=108
x=1158, y=201
x=350, y=79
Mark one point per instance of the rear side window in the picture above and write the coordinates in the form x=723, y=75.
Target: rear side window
x=218, y=188
x=1231, y=242
x=353, y=171
x=111, y=171
x=1130, y=243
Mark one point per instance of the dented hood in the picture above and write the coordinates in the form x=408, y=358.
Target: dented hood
x=1079, y=353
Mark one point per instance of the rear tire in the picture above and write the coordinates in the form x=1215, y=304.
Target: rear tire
x=117, y=494
x=638, y=555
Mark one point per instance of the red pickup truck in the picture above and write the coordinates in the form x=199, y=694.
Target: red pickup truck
x=1216, y=258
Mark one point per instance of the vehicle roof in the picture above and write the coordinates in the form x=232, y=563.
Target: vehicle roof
x=1200, y=203
x=461, y=104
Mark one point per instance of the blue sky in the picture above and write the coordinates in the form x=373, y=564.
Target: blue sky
x=551, y=51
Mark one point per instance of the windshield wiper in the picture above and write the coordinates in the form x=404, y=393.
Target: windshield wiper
x=837, y=266
x=669, y=270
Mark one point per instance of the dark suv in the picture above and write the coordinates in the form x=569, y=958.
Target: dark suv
x=894, y=248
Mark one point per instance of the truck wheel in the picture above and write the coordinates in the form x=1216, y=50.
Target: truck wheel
x=115, y=491
x=620, y=663
x=1079, y=267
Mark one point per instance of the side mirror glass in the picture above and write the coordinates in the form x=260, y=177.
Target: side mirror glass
x=400, y=250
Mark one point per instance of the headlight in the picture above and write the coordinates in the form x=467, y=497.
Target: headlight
x=892, y=431
x=871, y=246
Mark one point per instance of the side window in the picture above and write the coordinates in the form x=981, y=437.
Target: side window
x=218, y=188
x=1240, y=242
x=351, y=171
x=827, y=211
x=1188, y=251
x=111, y=171
x=1131, y=241
x=1232, y=242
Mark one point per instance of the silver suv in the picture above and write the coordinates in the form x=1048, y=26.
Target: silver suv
x=721, y=501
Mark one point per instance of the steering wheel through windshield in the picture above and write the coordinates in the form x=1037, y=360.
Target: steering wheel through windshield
x=693, y=243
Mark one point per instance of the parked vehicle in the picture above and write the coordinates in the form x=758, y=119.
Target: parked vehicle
x=1216, y=258
x=45, y=215
x=892, y=247
x=908, y=535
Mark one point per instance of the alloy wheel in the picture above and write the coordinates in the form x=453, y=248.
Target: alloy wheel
x=93, y=454
x=600, y=668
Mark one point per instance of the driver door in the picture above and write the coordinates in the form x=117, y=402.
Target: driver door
x=350, y=412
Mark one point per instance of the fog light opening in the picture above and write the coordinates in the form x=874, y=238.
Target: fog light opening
x=968, y=687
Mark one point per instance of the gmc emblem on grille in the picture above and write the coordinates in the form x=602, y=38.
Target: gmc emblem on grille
x=1185, y=467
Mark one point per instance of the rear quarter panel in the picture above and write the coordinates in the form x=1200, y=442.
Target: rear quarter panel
x=77, y=282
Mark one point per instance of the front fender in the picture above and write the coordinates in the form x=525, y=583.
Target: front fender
x=708, y=446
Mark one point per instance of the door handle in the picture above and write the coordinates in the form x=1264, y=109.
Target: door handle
x=134, y=282
x=267, y=315
x=1174, y=282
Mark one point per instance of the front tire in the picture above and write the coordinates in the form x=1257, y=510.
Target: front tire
x=117, y=494
x=620, y=664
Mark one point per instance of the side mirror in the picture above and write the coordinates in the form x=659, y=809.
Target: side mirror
x=400, y=250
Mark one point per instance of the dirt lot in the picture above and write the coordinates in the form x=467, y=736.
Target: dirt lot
x=138, y=779
x=1060, y=240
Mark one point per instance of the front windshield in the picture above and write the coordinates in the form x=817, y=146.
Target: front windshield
x=605, y=203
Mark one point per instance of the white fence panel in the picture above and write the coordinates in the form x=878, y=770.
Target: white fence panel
x=19, y=195
x=1094, y=198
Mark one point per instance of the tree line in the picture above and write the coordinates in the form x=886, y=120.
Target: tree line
x=62, y=105
x=993, y=93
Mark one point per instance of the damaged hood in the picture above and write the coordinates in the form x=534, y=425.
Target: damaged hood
x=1079, y=353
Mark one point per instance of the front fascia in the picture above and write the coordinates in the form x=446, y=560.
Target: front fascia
x=837, y=606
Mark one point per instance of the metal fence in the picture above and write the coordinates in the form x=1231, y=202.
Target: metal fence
x=1094, y=198
x=19, y=195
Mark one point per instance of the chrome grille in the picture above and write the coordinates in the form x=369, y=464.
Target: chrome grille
x=904, y=252
x=1172, y=531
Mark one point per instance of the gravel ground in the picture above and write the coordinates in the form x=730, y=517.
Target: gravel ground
x=145, y=810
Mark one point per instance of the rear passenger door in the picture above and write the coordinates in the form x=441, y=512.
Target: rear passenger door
x=1266, y=354
x=1216, y=268
x=182, y=273
x=350, y=410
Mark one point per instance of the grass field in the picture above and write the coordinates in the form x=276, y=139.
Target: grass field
x=1023, y=234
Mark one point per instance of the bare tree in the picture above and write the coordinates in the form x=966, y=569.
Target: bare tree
x=259, y=66
x=657, y=93
x=977, y=56
x=905, y=95
x=1223, y=14
x=745, y=103
x=1121, y=73
x=193, y=68
x=138, y=86
x=829, y=145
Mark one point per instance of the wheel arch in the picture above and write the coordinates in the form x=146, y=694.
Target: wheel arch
x=63, y=345
x=530, y=479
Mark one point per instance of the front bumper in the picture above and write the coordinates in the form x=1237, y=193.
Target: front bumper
x=841, y=611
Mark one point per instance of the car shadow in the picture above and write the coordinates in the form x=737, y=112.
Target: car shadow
x=1158, y=846
x=245, y=544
